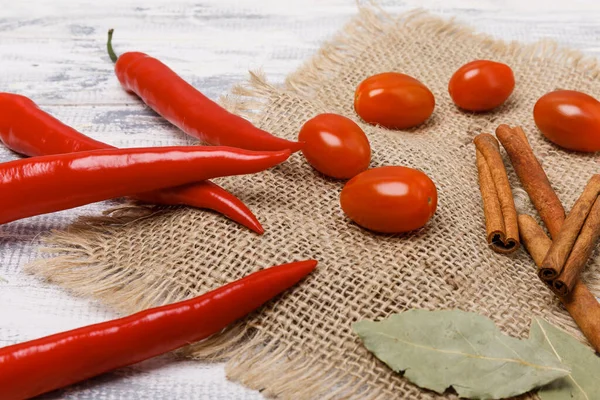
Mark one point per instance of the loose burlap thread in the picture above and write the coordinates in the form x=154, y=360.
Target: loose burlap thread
x=301, y=346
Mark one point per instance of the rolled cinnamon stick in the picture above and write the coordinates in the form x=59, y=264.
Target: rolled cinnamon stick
x=563, y=244
x=582, y=249
x=580, y=303
x=534, y=239
x=532, y=177
x=498, y=203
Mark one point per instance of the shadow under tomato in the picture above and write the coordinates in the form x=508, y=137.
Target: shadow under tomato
x=423, y=231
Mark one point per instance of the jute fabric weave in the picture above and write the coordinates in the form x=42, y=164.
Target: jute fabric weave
x=302, y=346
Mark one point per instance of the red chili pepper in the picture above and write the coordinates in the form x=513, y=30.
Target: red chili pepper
x=26, y=129
x=40, y=185
x=185, y=107
x=39, y=366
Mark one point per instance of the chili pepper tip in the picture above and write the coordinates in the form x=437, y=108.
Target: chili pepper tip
x=302, y=268
x=257, y=227
x=291, y=273
x=245, y=217
x=296, y=146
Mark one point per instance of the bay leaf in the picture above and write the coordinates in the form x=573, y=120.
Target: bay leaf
x=583, y=383
x=452, y=348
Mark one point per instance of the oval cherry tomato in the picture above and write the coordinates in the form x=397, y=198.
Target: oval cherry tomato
x=481, y=85
x=393, y=100
x=390, y=199
x=335, y=146
x=570, y=119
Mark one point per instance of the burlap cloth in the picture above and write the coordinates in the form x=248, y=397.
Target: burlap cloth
x=302, y=346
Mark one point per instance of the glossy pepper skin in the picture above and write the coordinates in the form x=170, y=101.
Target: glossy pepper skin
x=26, y=129
x=39, y=366
x=185, y=107
x=41, y=185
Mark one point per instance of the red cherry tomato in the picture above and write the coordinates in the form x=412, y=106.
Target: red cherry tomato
x=335, y=146
x=390, y=199
x=393, y=100
x=570, y=119
x=481, y=85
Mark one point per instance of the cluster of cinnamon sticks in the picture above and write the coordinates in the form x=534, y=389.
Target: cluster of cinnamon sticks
x=561, y=260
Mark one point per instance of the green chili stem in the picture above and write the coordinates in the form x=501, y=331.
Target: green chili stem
x=111, y=52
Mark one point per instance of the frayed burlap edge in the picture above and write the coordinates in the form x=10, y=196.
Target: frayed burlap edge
x=255, y=358
x=377, y=22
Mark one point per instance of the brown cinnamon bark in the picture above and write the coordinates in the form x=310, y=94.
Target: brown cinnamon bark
x=534, y=239
x=563, y=244
x=580, y=303
x=494, y=222
x=532, y=177
x=498, y=204
x=585, y=310
x=584, y=245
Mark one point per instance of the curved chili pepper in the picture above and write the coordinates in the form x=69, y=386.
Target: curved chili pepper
x=40, y=185
x=205, y=194
x=26, y=129
x=39, y=366
x=185, y=107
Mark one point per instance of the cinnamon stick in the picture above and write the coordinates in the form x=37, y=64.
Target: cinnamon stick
x=584, y=245
x=585, y=311
x=534, y=239
x=498, y=203
x=532, y=177
x=580, y=303
x=563, y=245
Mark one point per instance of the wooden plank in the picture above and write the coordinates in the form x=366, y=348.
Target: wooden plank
x=54, y=52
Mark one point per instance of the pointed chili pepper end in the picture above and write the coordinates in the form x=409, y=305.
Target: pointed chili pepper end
x=308, y=266
x=251, y=222
x=296, y=146
x=312, y=264
x=285, y=276
x=258, y=229
x=302, y=268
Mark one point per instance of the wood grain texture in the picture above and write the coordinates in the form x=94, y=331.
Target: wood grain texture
x=54, y=52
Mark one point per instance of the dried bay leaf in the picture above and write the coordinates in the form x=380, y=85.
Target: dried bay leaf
x=439, y=349
x=583, y=383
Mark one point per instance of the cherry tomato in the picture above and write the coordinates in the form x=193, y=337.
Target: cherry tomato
x=335, y=146
x=390, y=199
x=569, y=119
x=393, y=100
x=481, y=85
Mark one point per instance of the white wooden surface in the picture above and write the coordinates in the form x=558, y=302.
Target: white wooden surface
x=54, y=52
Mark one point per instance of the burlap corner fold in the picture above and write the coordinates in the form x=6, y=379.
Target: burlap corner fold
x=302, y=346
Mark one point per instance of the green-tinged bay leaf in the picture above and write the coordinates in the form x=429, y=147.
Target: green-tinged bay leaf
x=439, y=349
x=583, y=383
